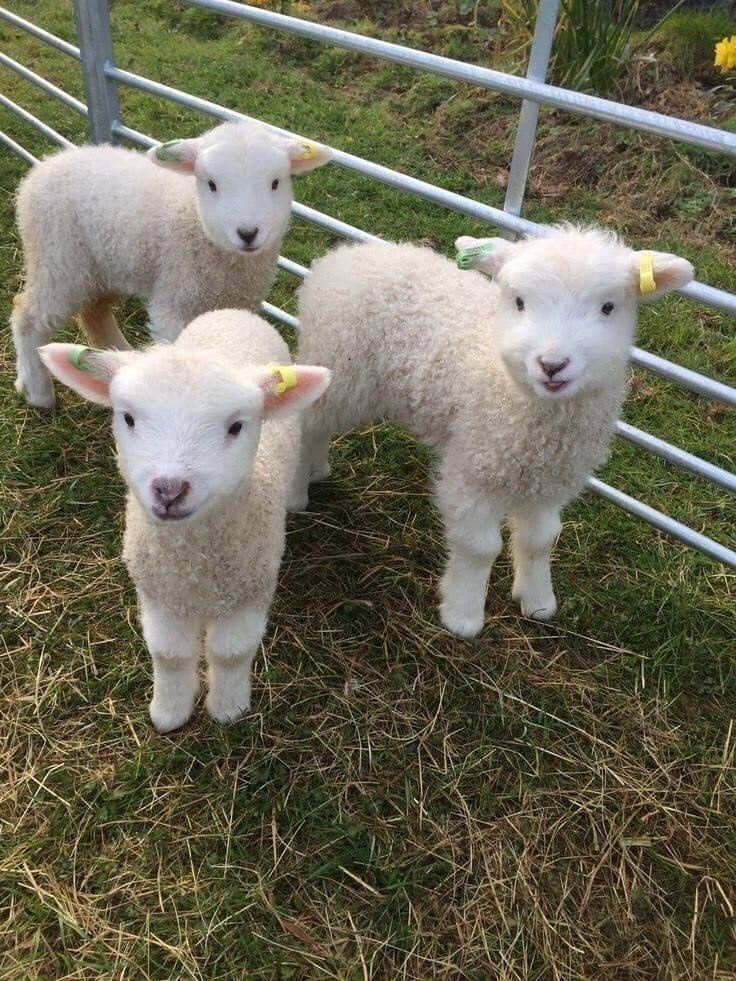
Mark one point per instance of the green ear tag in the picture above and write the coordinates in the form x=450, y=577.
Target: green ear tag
x=466, y=258
x=164, y=153
x=76, y=353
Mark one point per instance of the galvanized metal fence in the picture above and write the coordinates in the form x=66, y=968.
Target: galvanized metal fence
x=101, y=78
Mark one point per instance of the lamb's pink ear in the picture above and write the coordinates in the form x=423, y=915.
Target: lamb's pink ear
x=179, y=155
x=657, y=273
x=486, y=254
x=290, y=388
x=85, y=370
x=305, y=155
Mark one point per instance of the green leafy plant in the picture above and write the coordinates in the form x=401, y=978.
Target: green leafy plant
x=594, y=41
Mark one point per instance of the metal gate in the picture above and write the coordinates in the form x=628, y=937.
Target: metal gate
x=101, y=78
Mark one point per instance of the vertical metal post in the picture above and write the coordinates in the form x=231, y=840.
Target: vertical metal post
x=544, y=32
x=95, y=43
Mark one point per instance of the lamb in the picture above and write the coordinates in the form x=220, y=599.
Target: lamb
x=516, y=383
x=100, y=222
x=208, y=442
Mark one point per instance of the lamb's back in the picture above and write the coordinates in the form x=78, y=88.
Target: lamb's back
x=393, y=322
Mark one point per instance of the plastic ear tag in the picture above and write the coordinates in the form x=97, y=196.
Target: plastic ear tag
x=466, y=258
x=309, y=150
x=76, y=353
x=164, y=152
x=647, y=283
x=287, y=373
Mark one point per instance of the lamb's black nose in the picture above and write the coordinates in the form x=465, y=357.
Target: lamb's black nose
x=552, y=368
x=248, y=235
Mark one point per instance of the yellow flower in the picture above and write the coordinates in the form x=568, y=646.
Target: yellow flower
x=726, y=54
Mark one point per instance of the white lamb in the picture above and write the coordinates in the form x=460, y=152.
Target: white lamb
x=100, y=222
x=208, y=453
x=517, y=383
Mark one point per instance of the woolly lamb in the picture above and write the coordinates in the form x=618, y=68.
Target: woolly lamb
x=208, y=453
x=516, y=382
x=101, y=222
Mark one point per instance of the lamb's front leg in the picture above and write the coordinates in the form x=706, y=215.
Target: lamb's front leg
x=473, y=531
x=534, y=531
x=232, y=643
x=174, y=643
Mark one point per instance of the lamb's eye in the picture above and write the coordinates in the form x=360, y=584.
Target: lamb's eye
x=519, y=303
x=212, y=186
x=129, y=420
x=235, y=428
x=274, y=184
x=607, y=308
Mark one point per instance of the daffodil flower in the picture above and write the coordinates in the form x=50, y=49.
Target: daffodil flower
x=726, y=54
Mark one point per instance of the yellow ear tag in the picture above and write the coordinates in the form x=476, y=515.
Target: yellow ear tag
x=287, y=373
x=309, y=150
x=647, y=283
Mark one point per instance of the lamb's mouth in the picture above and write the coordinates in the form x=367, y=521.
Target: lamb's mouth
x=556, y=386
x=164, y=516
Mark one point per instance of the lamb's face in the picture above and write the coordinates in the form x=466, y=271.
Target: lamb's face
x=186, y=423
x=567, y=306
x=187, y=433
x=243, y=178
x=565, y=325
x=244, y=198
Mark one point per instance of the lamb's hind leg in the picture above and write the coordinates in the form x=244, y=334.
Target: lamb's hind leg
x=98, y=320
x=314, y=465
x=31, y=329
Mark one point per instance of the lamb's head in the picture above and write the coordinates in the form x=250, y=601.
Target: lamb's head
x=186, y=423
x=243, y=177
x=568, y=304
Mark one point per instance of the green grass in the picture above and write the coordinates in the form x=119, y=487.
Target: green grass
x=545, y=802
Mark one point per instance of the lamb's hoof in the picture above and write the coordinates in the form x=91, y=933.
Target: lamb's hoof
x=462, y=622
x=298, y=503
x=320, y=473
x=537, y=607
x=168, y=718
x=40, y=397
x=227, y=707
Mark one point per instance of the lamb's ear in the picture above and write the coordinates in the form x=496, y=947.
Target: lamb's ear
x=289, y=388
x=486, y=254
x=657, y=273
x=179, y=155
x=305, y=155
x=85, y=369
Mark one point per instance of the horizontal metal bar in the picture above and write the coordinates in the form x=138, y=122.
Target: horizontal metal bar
x=133, y=135
x=663, y=522
x=288, y=265
x=42, y=83
x=402, y=182
x=40, y=33
x=28, y=117
x=683, y=376
x=17, y=148
x=673, y=454
x=512, y=85
x=281, y=315
x=330, y=224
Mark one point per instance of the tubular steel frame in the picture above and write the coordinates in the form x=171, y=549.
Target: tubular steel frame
x=101, y=78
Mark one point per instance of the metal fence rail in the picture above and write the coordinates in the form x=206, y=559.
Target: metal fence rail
x=101, y=76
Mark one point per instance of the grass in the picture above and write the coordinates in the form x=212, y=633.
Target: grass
x=547, y=802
